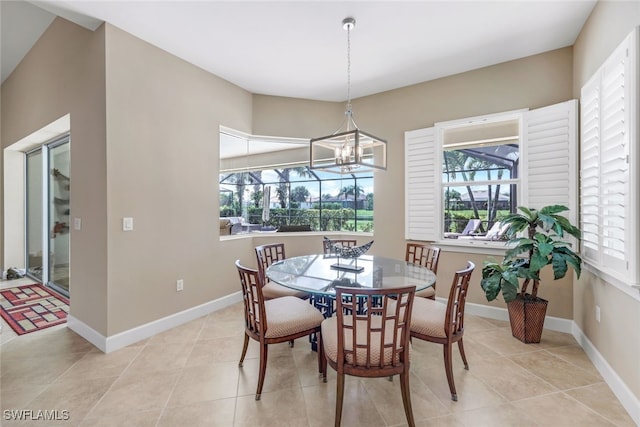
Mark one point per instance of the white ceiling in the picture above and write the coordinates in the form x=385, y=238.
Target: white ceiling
x=298, y=48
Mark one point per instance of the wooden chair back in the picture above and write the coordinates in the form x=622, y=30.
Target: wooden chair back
x=364, y=317
x=454, y=320
x=267, y=255
x=253, y=301
x=424, y=255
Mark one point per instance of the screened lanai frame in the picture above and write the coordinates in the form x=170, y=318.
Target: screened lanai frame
x=498, y=157
x=323, y=214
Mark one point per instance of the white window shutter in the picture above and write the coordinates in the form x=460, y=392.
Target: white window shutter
x=549, y=157
x=421, y=207
x=609, y=134
x=614, y=156
x=590, y=170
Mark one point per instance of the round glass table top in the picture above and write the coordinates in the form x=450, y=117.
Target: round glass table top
x=320, y=274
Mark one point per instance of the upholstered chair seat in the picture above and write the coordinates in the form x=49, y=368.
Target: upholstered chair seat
x=290, y=315
x=273, y=290
x=428, y=317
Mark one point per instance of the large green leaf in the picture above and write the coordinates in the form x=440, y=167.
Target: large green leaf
x=491, y=286
x=510, y=285
x=538, y=261
x=553, y=209
x=559, y=263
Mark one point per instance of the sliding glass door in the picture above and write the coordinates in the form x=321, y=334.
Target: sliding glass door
x=34, y=215
x=47, y=214
x=59, y=186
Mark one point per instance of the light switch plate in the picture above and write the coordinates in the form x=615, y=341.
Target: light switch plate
x=77, y=223
x=127, y=224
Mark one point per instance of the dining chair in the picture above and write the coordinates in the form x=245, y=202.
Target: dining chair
x=369, y=337
x=425, y=256
x=267, y=255
x=327, y=244
x=443, y=324
x=274, y=321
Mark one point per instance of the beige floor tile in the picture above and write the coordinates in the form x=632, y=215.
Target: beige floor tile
x=472, y=393
x=556, y=371
x=575, y=355
x=358, y=407
x=502, y=415
x=218, y=380
x=601, y=399
x=159, y=358
x=101, y=365
x=502, y=342
x=143, y=392
x=217, y=413
x=281, y=374
x=387, y=397
x=19, y=395
x=444, y=421
x=186, y=333
x=558, y=409
x=227, y=349
x=551, y=339
x=76, y=397
x=510, y=380
x=278, y=408
x=222, y=328
x=43, y=369
x=120, y=419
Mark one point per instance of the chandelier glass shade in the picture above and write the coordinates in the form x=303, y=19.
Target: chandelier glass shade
x=349, y=149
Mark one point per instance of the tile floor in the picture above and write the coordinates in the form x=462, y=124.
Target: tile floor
x=189, y=376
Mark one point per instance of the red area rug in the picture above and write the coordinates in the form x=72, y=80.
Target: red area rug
x=30, y=308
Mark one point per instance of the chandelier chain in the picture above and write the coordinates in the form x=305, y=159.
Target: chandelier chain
x=349, y=70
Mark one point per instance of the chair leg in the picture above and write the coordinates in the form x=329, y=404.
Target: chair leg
x=291, y=344
x=244, y=349
x=339, y=399
x=406, y=398
x=448, y=366
x=264, y=348
x=464, y=358
x=320, y=351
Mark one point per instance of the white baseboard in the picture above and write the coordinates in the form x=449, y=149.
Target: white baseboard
x=123, y=339
x=626, y=397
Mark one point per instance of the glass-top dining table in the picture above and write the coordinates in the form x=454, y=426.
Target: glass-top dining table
x=319, y=274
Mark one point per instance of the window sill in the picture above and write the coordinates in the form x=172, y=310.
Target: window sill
x=473, y=246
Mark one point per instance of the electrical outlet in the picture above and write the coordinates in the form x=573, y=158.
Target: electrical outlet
x=598, y=313
x=179, y=285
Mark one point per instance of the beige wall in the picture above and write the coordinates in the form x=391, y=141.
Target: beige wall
x=530, y=82
x=163, y=118
x=64, y=74
x=615, y=336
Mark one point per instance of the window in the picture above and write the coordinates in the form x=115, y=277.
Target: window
x=608, y=168
x=266, y=182
x=483, y=168
x=479, y=176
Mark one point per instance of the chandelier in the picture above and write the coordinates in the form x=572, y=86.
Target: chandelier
x=348, y=149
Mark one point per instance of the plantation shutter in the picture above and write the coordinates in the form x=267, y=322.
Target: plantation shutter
x=549, y=157
x=590, y=170
x=614, y=155
x=609, y=162
x=422, y=211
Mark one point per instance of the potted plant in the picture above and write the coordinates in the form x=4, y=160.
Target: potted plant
x=542, y=245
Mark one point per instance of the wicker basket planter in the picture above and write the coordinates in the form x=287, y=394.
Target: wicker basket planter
x=526, y=315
